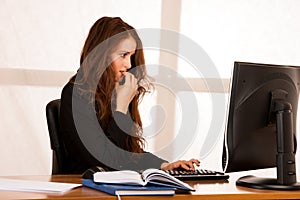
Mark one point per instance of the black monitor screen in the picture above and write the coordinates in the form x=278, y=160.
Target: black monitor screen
x=258, y=93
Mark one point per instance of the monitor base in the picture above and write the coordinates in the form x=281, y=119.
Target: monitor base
x=265, y=183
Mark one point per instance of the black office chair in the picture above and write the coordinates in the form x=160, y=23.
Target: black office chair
x=57, y=145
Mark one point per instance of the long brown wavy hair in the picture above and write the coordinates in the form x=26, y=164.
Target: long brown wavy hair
x=98, y=76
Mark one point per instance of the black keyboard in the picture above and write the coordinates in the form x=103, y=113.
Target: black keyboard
x=200, y=174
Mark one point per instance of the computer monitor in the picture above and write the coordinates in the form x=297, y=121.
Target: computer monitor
x=261, y=126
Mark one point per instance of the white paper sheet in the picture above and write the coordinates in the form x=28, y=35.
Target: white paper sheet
x=36, y=186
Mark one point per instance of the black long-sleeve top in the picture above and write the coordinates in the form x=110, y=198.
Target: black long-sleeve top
x=88, y=145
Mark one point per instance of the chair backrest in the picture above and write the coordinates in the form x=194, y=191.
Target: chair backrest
x=59, y=154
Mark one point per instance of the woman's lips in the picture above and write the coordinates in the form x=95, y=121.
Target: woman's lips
x=123, y=72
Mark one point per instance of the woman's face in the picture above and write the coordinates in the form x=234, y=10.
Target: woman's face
x=121, y=61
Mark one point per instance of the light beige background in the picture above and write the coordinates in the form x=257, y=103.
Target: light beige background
x=41, y=40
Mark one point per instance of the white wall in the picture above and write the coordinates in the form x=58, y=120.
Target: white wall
x=41, y=42
x=40, y=49
x=263, y=31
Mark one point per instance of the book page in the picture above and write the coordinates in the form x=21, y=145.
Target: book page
x=162, y=178
x=119, y=177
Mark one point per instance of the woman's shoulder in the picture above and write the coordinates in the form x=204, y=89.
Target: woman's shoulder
x=68, y=87
x=73, y=89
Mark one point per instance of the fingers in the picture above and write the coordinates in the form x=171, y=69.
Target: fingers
x=128, y=80
x=187, y=165
x=184, y=164
x=125, y=92
x=195, y=161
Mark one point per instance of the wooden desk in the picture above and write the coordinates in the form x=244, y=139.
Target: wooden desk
x=210, y=190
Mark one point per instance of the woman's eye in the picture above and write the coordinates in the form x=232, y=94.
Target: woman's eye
x=124, y=55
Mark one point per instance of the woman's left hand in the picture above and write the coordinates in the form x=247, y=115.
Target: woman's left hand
x=181, y=164
x=125, y=92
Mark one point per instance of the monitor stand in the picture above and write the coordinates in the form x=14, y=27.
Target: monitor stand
x=265, y=183
x=285, y=158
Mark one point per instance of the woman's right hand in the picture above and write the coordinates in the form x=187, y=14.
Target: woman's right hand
x=125, y=92
x=181, y=164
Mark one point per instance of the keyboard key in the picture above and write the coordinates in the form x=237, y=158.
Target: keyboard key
x=200, y=174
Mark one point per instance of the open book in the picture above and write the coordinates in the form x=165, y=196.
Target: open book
x=149, y=176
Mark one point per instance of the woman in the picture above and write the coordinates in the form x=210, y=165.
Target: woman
x=99, y=116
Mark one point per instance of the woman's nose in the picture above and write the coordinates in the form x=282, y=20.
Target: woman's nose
x=128, y=63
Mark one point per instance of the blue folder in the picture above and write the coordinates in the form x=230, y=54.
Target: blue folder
x=129, y=190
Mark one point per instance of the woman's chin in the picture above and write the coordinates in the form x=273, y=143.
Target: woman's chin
x=118, y=79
